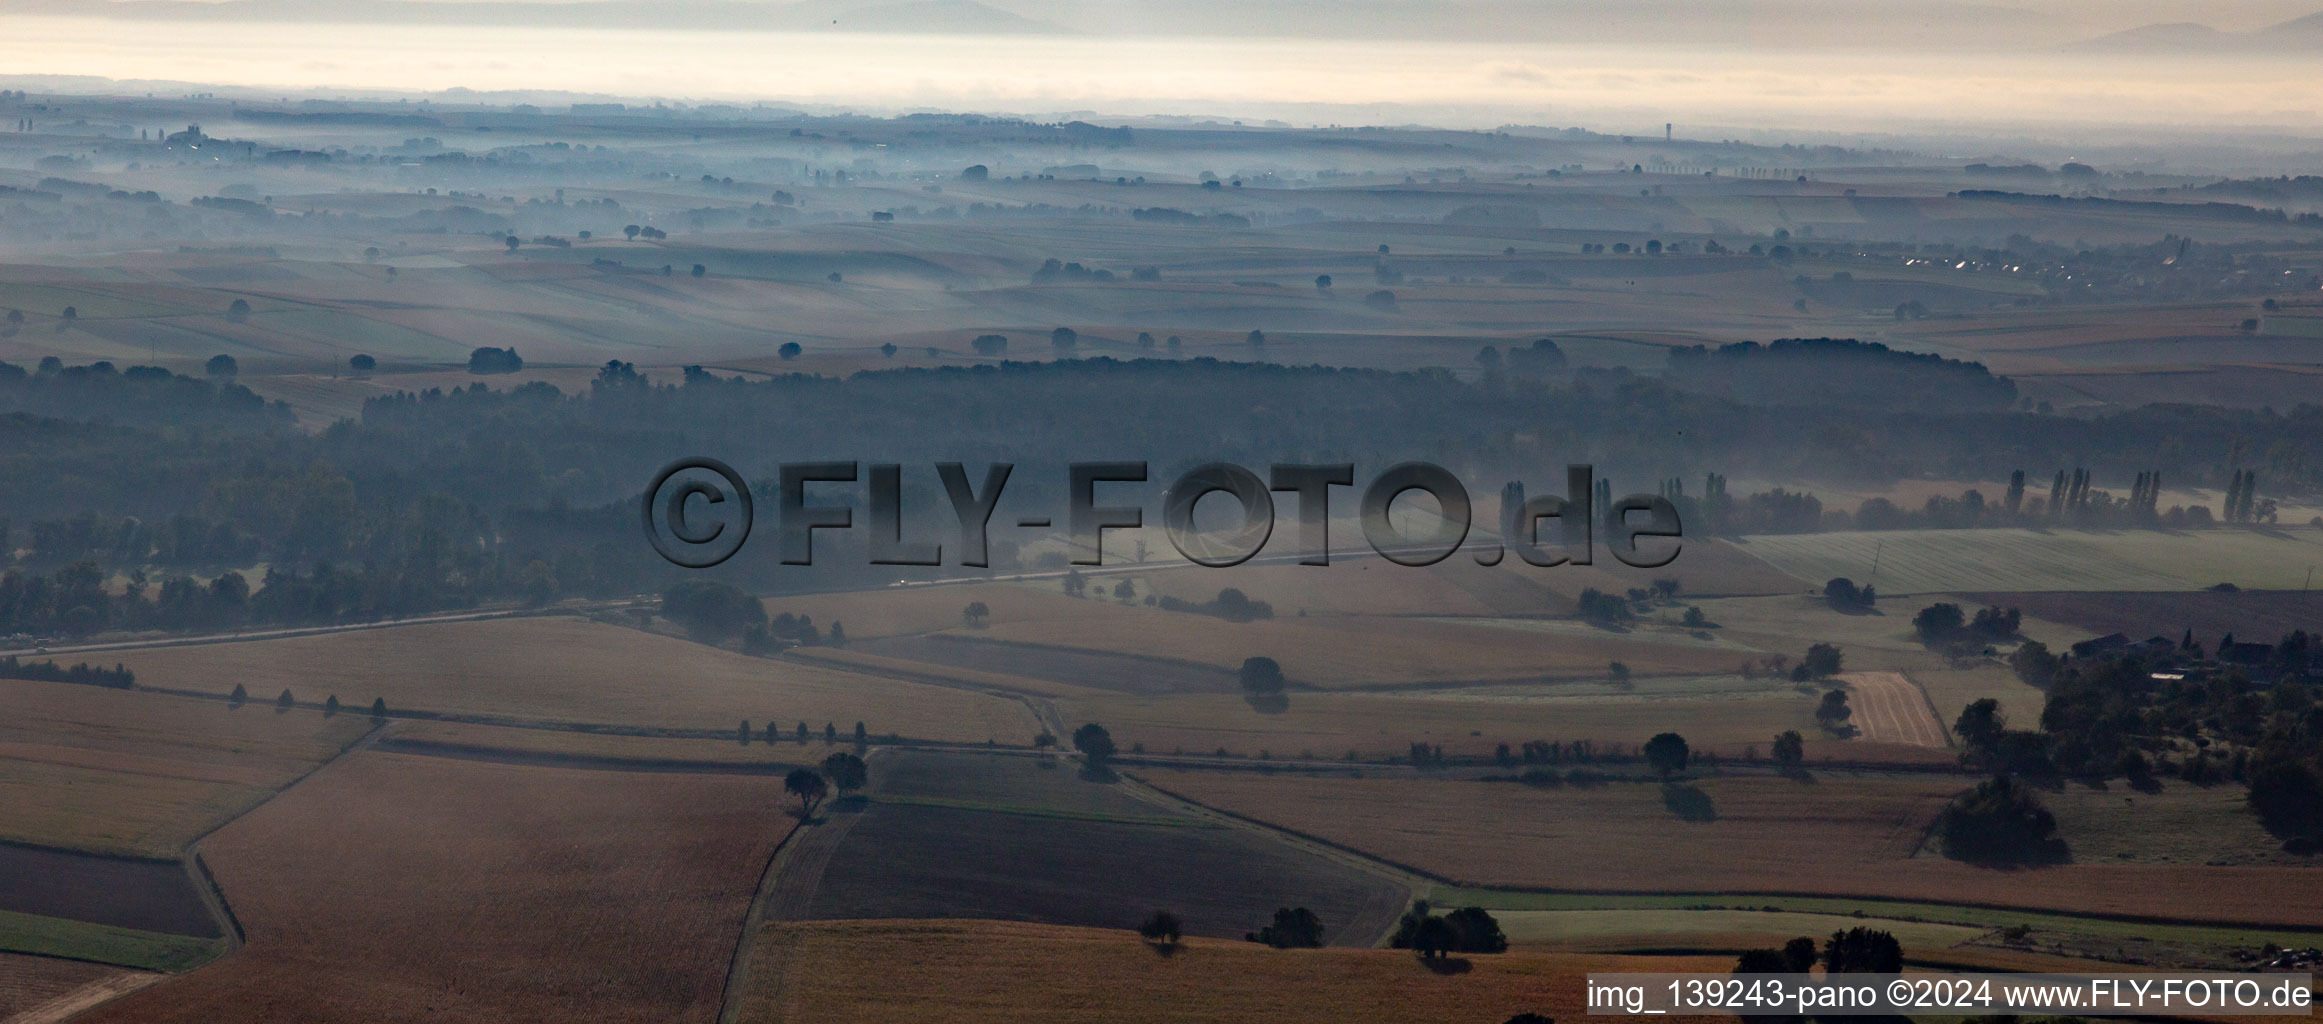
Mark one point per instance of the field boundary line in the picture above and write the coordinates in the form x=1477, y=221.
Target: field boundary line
x=74, y=1003
x=1414, y=881
x=287, y=633
x=1941, y=729
x=753, y=921
x=770, y=885
x=584, y=762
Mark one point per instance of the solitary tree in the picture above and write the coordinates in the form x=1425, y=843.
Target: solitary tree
x=975, y=614
x=1790, y=749
x=513, y=243
x=378, y=709
x=1822, y=660
x=887, y=350
x=1833, y=713
x=362, y=364
x=1262, y=676
x=700, y=270
x=1095, y=744
x=284, y=702
x=846, y=771
x=1163, y=928
x=238, y=310
x=1063, y=339
x=236, y=698
x=1667, y=753
x=1322, y=282
x=1257, y=339
x=221, y=366
x=789, y=350
x=1979, y=726
x=631, y=230
x=331, y=706
x=807, y=785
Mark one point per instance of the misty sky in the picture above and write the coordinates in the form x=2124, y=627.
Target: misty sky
x=1842, y=65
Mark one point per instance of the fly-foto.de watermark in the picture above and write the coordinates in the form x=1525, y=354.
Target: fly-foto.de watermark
x=698, y=513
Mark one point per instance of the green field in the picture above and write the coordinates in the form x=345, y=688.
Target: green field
x=105, y=944
x=1934, y=561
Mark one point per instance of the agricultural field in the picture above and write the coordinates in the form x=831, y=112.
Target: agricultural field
x=1883, y=638
x=1936, y=561
x=1725, y=715
x=1950, y=689
x=2177, y=824
x=966, y=972
x=1937, y=934
x=896, y=611
x=1458, y=586
x=1615, y=931
x=400, y=888
x=1837, y=833
x=42, y=987
x=1066, y=670
x=1888, y=708
x=1046, y=846
x=154, y=896
x=547, y=745
x=570, y=670
x=1362, y=652
x=2252, y=615
x=143, y=774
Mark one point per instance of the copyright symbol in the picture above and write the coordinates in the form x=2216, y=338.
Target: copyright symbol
x=1899, y=993
x=690, y=543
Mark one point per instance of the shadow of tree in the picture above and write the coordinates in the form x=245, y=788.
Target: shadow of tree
x=1688, y=802
x=1267, y=703
x=1447, y=964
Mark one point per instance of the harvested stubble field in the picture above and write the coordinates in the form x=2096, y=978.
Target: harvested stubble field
x=1367, y=585
x=1072, y=671
x=1016, y=853
x=394, y=888
x=1887, y=708
x=1468, y=722
x=1365, y=651
x=143, y=774
x=1951, y=561
x=861, y=657
x=45, y=983
x=1852, y=834
x=892, y=611
x=966, y=972
x=572, y=670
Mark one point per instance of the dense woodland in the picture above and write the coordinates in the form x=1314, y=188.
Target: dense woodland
x=443, y=499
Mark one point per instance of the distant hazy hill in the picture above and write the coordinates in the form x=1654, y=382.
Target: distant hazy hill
x=931, y=16
x=2299, y=35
